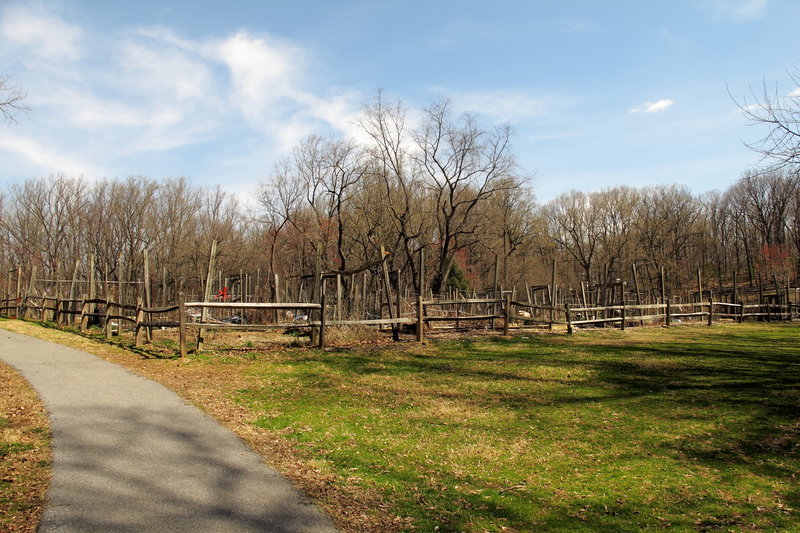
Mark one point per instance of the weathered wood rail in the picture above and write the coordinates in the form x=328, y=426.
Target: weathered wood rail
x=430, y=315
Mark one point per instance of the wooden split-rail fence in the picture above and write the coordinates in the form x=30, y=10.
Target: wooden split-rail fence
x=428, y=315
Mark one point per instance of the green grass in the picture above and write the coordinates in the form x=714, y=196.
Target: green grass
x=692, y=428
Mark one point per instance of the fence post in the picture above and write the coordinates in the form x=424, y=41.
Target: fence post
x=507, y=313
x=420, y=319
x=569, y=319
x=109, y=303
x=710, y=311
x=741, y=312
x=83, y=318
x=137, y=328
x=322, y=320
x=57, y=312
x=668, y=320
x=623, y=313
x=182, y=324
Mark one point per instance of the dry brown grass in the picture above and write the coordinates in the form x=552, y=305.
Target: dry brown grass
x=24, y=454
x=211, y=387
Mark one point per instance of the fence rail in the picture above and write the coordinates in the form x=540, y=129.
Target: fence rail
x=458, y=313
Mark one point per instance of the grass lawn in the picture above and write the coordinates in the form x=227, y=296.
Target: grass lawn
x=687, y=429
x=690, y=428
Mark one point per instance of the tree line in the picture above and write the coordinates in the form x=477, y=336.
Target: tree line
x=411, y=179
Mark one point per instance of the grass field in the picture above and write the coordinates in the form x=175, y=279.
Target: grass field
x=686, y=429
x=690, y=428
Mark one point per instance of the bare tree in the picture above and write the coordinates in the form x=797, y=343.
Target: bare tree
x=781, y=114
x=12, y=100
x=463, y=166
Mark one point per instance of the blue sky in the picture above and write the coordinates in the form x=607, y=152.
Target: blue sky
x=598, y=93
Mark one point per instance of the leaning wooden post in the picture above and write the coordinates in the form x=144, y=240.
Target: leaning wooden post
x=207, y=293
x=322, y=312
x=420, y=319
x=507, y=314
x=569, y=318
x=710, y=311
x=182, y=324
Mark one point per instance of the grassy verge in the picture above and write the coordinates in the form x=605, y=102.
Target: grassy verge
x=687, y=429
x=24, y=454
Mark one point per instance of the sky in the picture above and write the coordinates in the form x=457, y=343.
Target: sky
x=599, y=94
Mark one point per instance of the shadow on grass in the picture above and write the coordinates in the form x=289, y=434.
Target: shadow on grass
x=741, y=384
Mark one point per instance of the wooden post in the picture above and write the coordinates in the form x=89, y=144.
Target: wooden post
x=663, y=282
x=107, y=321
x=74, y=280
x=507, y=314
x=668, y=320
x=84, y=320
x=569, y=318
x=388, y=289
x=322, y=314
x=212, y=258
x=148, y=302
x=120, y=285
x=339, y=297
x=420, y=319
x=623, y=312
x=421, y=271
x=699, y=286
x=137, y=329
x=741, y=312
x=735, y=289
x=710, y=311
x=57, y=310
x=182, y=324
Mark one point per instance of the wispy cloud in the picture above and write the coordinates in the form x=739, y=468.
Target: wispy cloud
x=156, y=91
x=500, y=105
x=735, y=10
x=653, y=107
x=40, y=33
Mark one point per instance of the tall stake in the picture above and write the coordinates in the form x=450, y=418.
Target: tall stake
x=207, y=293
x=388, y=289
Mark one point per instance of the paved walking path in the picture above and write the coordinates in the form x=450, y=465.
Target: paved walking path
x=130, y=455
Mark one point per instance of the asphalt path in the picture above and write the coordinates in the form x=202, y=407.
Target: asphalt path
x=131, y=455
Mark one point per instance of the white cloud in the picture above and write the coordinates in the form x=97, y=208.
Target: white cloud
x=33, y=29
x=795, y=93
x=47, y=158
x=653, y=107
x=153, y=91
